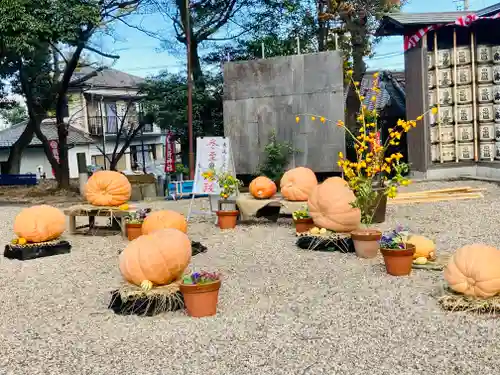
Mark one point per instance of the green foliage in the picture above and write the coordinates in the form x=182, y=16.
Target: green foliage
x=166, y=97
x=277, y=155
x=181, y=168
x=301, y=214
x=15, y=114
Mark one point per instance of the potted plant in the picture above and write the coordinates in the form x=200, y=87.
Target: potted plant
x=229, y=185
x=398, y=255
x=303, y=222
x=181, y=170
x=377, y=172
x=201, y=293
x=276, y=158
x=134, y=223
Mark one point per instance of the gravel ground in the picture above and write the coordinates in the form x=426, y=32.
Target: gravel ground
x=282, y=310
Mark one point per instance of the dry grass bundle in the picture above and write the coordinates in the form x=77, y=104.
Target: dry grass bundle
x=131, y=299
x=451, y=301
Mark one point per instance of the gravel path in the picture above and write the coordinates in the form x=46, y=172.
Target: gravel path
x=282, y=310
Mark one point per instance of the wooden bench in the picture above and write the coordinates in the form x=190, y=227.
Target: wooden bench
x=92, y=212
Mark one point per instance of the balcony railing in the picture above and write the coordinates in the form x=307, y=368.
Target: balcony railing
x=111, y=125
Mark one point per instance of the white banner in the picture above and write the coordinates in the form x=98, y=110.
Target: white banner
x=211, y=153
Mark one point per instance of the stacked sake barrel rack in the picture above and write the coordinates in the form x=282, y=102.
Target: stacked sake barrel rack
x=464, y=83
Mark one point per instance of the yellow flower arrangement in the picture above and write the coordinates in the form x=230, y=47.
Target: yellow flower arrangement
x=372, y=165
x=226, y=181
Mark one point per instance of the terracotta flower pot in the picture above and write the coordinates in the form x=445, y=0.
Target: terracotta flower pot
x=201, y=299
x=133, y=231
x=398, y=262
x=227, y=219
x=303, y=225
x=366, y=242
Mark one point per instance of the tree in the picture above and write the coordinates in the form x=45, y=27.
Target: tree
x=15, y=114
x=166, y=103
x=33, y=34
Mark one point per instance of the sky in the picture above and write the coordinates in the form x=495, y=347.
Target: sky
x=142, y=55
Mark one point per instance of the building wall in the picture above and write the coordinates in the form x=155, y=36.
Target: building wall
x=77, y=111
x=33, y=157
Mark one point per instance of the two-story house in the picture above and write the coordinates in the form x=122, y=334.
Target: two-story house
x=96, y=108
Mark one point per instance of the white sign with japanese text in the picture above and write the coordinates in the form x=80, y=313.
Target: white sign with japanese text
x=211, y=153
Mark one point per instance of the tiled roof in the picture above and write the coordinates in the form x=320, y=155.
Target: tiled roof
x=383, y=96
x=110, y=78
x=10, y=135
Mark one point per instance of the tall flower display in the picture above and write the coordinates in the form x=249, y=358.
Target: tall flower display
x=375, y=172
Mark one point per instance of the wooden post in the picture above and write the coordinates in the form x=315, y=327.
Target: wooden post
x=82, y=171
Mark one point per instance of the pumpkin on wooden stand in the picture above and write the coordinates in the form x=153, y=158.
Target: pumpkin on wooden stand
x=262, y=187
x=330, y=206
x=162, y=220
x=160, y=258
x=40, y=223
x=297, y=183
x=108, y=188
x=474, y=270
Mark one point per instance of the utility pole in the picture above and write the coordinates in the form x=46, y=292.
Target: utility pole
x=189, y=91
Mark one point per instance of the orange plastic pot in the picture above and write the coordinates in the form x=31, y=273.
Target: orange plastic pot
x=133, y=231
x=201, y=299
x=398, y=262
x=303, y=225
x=227, y=219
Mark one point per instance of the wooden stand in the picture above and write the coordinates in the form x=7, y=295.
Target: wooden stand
x=94, y=211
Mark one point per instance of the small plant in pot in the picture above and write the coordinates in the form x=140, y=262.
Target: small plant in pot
x=134, y=223
x=229, y=185
x=398, y=255
x=303, y=222
x=201, y=293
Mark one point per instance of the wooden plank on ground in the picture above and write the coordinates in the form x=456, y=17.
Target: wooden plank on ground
x=434, y=199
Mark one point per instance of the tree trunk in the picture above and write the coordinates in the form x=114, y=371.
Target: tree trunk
x=63, y=181
x=16, y=151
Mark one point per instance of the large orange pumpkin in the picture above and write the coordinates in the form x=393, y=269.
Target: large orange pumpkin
x=162, y=220
x=262, y=187
x=40, y=223
x=160, y=257
x=474, y=270
x=330, y=206
x=108, y=188
x=297, y=183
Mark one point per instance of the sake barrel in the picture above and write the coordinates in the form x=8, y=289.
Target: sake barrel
x=434, y=152
x=484, y=74
x=464, y=94
x=496, y=74
x=466, y=151
x=485, y=93
x=483, y=54
x=432, y=98
x=431, y=78
x=445, y=77
x=496, y=111
x=487, y=131
x=496, y=94
x=430, y=60
x=434, y=134
x=465, y=132
x=485, y=113
x=497, y=150
x=444, y=58
x=465, y=113
x=447, y=133
x=448, y=151
x=464, y=75
x=497, y=131
x=446, y=95
x=445, y=115
x=463, y=56
x=495, y=54
x=486, y=150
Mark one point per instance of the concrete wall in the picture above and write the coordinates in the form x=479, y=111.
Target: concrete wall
x=267, y=94
x=33, y=157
